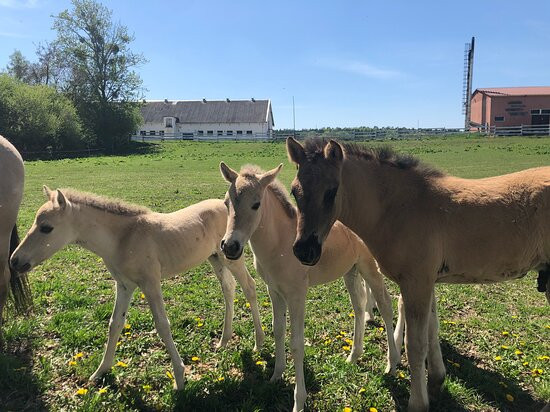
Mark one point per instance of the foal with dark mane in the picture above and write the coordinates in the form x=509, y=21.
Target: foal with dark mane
x=423, y=227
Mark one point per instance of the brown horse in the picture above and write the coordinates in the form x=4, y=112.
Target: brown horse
x=12, y=176
x=423, y=227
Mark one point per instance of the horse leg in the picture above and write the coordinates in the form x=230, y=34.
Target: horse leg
x=436, y=367
x=248, y=286
x=122, y=302
x=4, y=290
x=358, y=297
x=228, y=288
x=279, y=327
x=417, y=303
x=400, y=325
x=296, y=306
x=369, y=305
x=375, y=281
x=153, y=293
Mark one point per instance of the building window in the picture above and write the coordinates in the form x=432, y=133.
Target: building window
x=249, y=132
x=168, y=122
x=161, y=132
x=142, y=133
x=545, y=111
x=200, y=132
x=230, y=132
x=220, y=132
x=210, y=132
x=535, y=111
x=152, y=133
x=239, y=132
x=499, y=118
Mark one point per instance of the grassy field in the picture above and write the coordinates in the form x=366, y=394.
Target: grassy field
x=495, y=338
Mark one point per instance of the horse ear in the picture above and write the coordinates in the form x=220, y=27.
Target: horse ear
x=47, y=191
x=61, y=200
x=228, y=174
x=295, y=150
x=268, y=177
x=334, y=151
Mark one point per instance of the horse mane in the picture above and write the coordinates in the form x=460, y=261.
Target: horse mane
x=106, y=204
x=384, y=155
x=276, y=187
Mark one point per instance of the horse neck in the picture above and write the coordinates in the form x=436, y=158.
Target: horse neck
x=99, y=231
x=275, y=227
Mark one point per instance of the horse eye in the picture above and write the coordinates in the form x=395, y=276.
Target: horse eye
x=46, y=229
x=255, y=206
x=329, y=196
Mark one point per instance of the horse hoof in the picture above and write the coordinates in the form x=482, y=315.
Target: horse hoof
x=276, y=377
x=352, y=357
x=435, y=387
x=390, y=370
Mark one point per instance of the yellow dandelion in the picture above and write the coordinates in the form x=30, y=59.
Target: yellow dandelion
x=264, y=328
x=146, y=388
x=127, y=326
x=543, y=357
x=342, y=333
x=195, y=358
x=536, y=372
x=220, y=379
x=265, y=303
x=449, y=322
x=514, y=316
x=505, y=346
x=547, y=326
x=362, y=390
x=522, y=343
x=347, y=409
x=509, y=398
x=515, y=335
x=328, y=341
x=381, y=329
x=122, y=364
x=118, y=343
x=142, y=296
x=72, y=363
x=525, y=363
x=79, y=355
x=518, y=352
x=102, y=390
x=247, y=304
x=373, y=409
x=351, y=315
x=170, y=376
x=82, y=391
x=346, y=347
x=401, y=375
x=498, y=357
x=236, y=300
x=200, y=324
x=260, y=362
x=505, y=333
x=127, y=333
x=348, y=341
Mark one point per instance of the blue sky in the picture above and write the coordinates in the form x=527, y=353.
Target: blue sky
x=347, y=63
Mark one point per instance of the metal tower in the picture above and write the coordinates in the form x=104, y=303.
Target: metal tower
x=467, y=81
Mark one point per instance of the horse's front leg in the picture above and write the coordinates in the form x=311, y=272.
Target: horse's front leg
x=279, y=328
x=228, y=288
x=4, y=290
x=417, y=300
x=436, y=367
x=358, y=296
x=124, y=293
x=153, y=293
x=296, y=308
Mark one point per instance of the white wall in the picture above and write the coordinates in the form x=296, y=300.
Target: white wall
x=256, y=128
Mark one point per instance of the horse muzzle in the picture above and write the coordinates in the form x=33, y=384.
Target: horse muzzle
x=19, y=266
x=232, y=250
x=308, y=251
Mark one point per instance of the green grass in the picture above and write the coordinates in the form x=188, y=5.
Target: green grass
x=73, y=295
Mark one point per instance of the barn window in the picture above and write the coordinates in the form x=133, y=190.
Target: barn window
x=239, y=132
x=230, y=132
x=545, y=111
x=535, y=111
x=220, y=132
x=152, y=133
x=499, y=118
x=249, y=132
x=200, y=132
x=161, y=132
x=168, y=122
x=142, y=132
x=210, y=132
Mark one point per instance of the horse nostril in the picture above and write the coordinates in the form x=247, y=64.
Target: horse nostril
x=222, y=244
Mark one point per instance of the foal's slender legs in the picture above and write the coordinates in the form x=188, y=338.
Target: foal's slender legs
x=248, y=286
x=436, y=367
x=400, y=325
x=124, y=293
x=296, y=307
x=417, y=314
x=228, y=288
x=153, y=294
x=369, y=305
x=5, y=275
x=358, y=296
x=279, y=328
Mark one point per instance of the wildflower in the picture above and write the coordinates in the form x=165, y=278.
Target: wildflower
x=362, y=390
x=247, y=304
x=498, y=357
x=449, y=322
x=525, y=363
x=348, y=341
x=72, y=363
x=514, y=316
x=82, y=391
x=373, y=409
x=536, y=372
x=381, y=329
x=505, y=347
x=265, y=303
x=543, y=357
x=505, y=333
x=200, y=324
x=263, y=328
x=118, y=343
x=509, y=398
x=347, y=409
x=169, y=375
x=102, y=390
x=122, y=364
x=236, y=300
x=147, y=388
x=547, y=326
x=127, y=326
x=79, y=355
x=346, y=347
x=518, y=352
x=328, y=341
x=515, y=335
x=142, y=296
x=351, y=315
x=220, y=379
x=127, y=333
x=401, y=375
x=260, y=362
x=342, y=333
x=195, y=358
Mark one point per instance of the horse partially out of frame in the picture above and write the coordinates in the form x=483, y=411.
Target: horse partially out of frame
x=12, y=177
x=139, y=248
x=423, y=227
x=260, y=211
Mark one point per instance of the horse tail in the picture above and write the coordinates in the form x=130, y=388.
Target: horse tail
x=19, y=285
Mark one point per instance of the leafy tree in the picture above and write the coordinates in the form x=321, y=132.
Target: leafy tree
x=18, y=66
x=101, y=77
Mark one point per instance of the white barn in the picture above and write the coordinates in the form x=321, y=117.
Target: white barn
x=232, y=119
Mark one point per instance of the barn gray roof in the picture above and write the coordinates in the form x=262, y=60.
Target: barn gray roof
x=211, y=111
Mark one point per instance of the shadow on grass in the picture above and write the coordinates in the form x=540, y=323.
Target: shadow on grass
x=19, y=388
x=251, y=391
x=490, y=386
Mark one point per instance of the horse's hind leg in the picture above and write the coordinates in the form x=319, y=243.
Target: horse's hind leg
x=400, y=325
x=436, y=367
x=248, y=286
x=4, y=280
x=358, y=297
x=228, y=288
x=123, y=296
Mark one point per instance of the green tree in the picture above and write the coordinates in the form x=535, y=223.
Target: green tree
x=101, y=77
x=18, y=66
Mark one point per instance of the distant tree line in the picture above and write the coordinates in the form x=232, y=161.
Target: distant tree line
x=82, y=90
